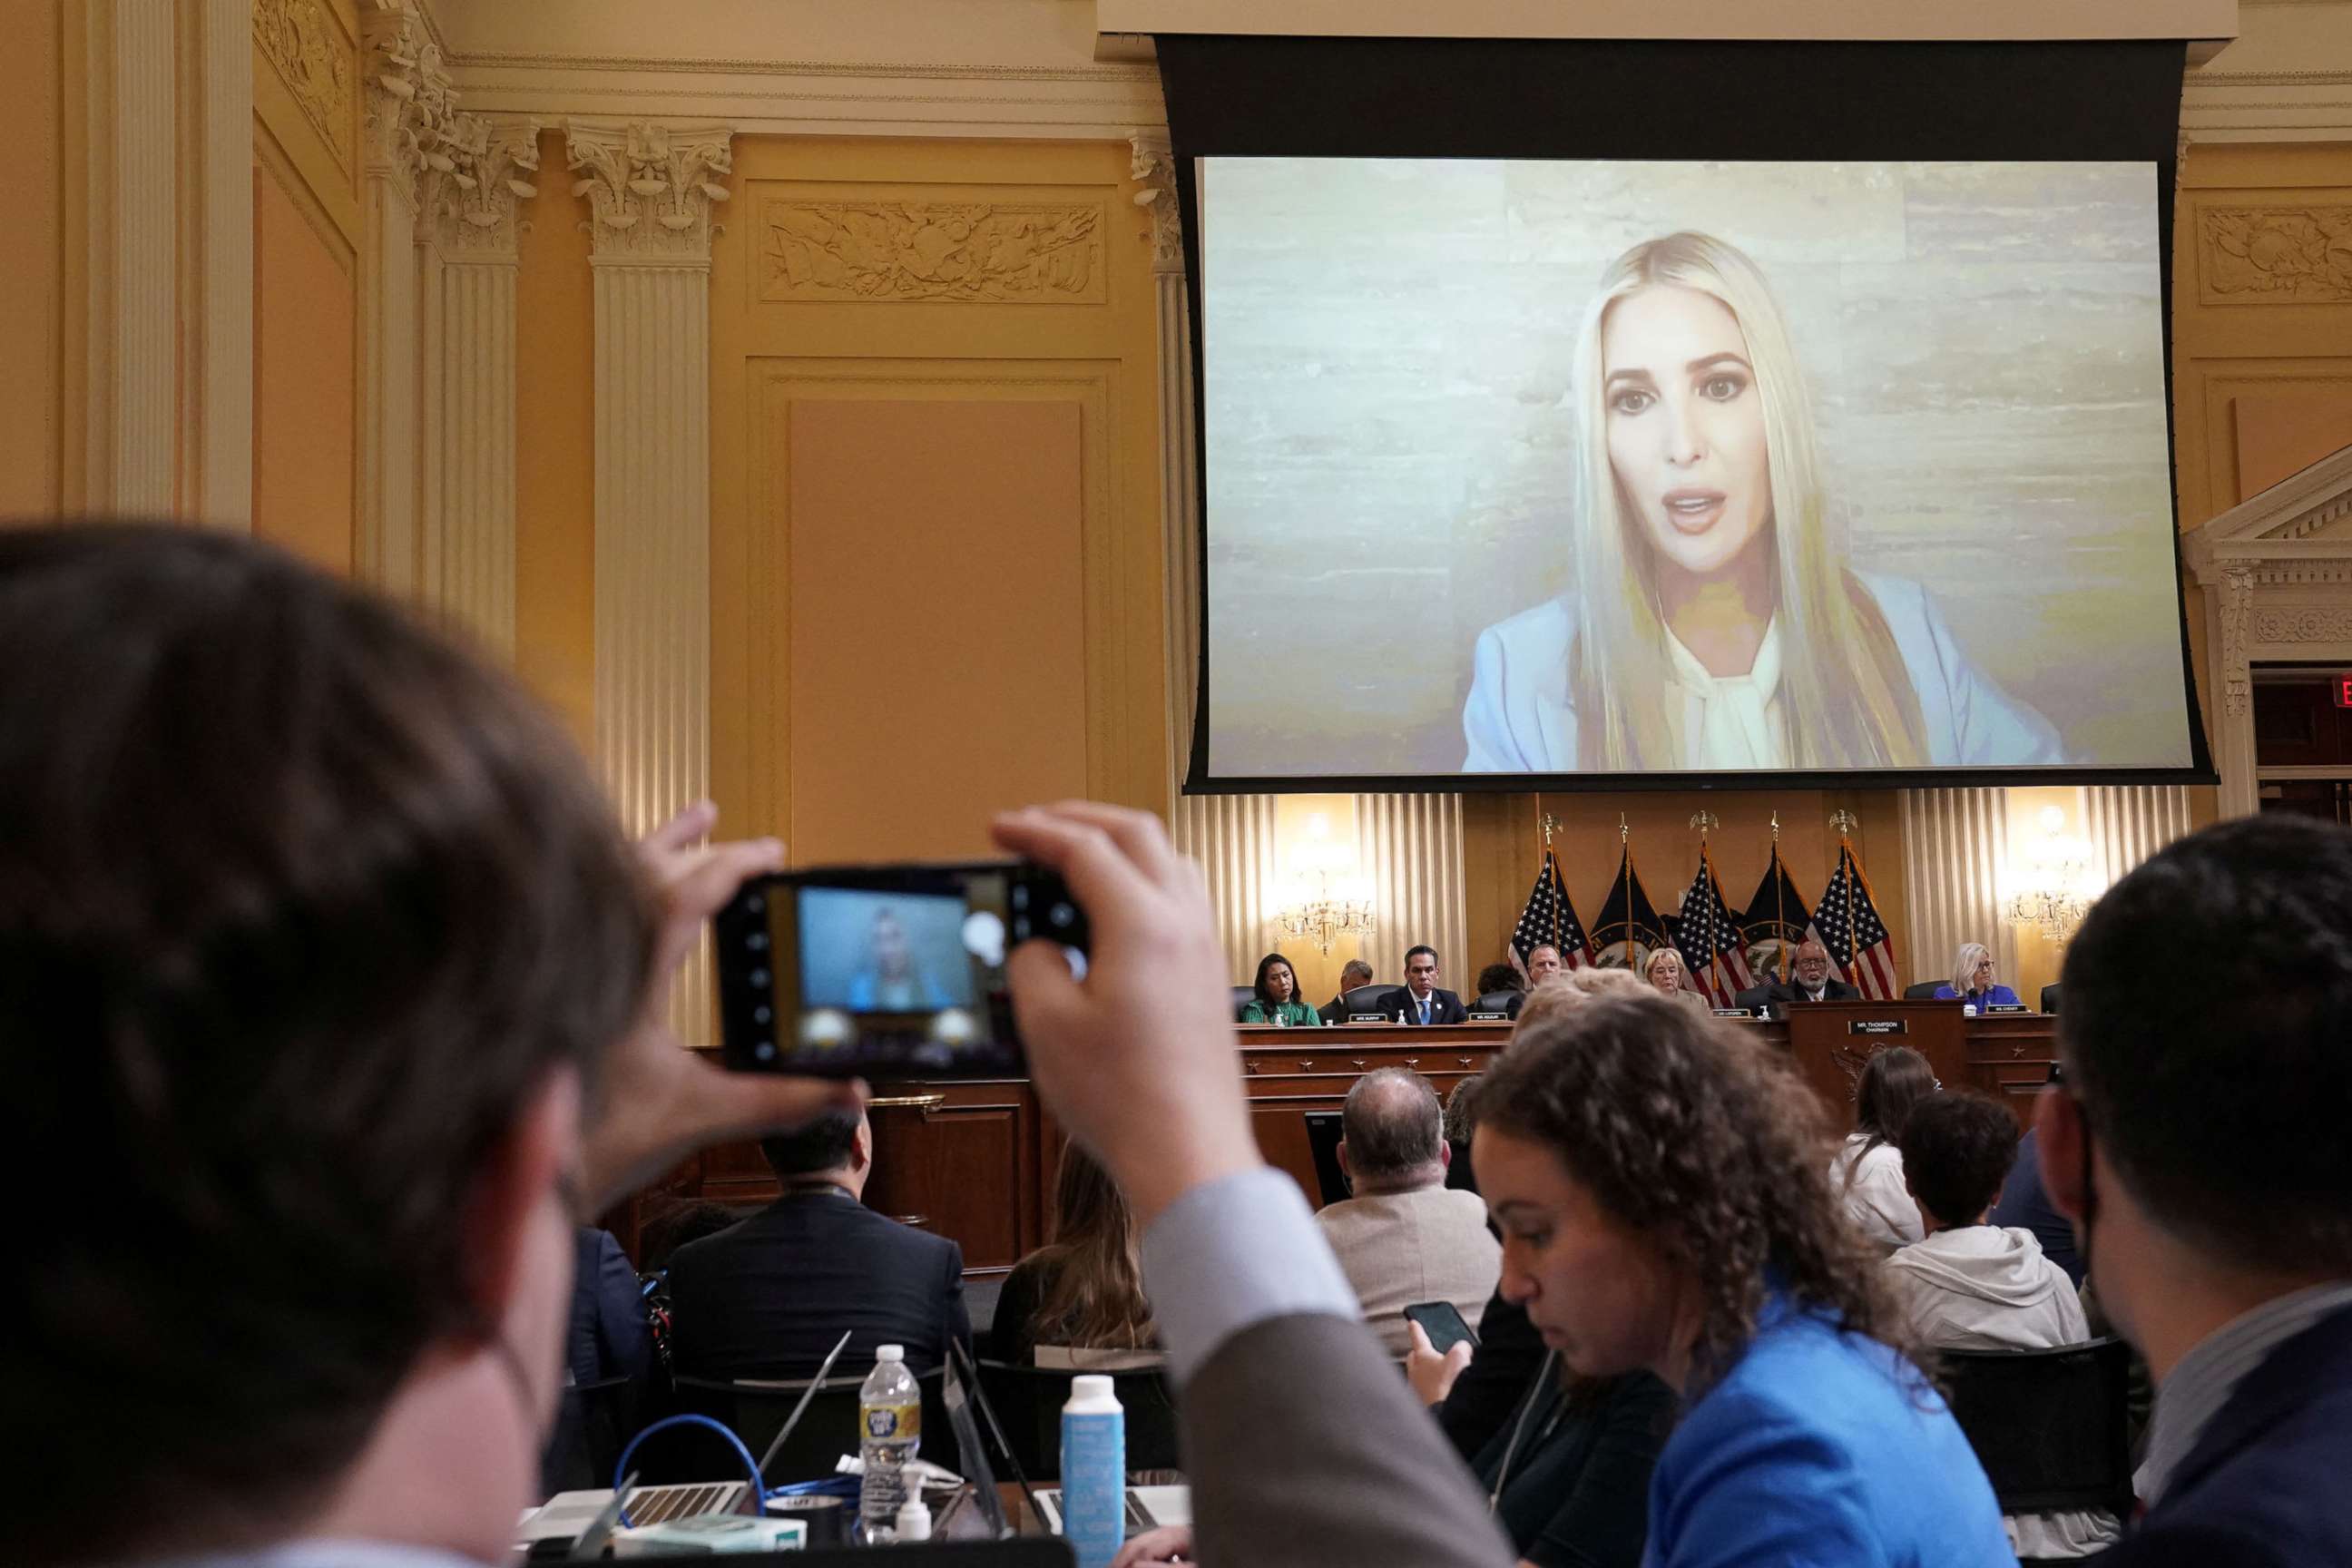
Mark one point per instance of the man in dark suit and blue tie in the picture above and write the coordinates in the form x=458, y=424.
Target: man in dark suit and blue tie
x=1419, y=1000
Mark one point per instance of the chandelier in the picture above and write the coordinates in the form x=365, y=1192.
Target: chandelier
x=1323, y=918
x=2056, y=888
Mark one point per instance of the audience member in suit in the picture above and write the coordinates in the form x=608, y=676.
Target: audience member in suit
x=1809, y=981
x=1868, y=1169
x=1355, y=972
x=2197, y=1143
x=1274, y=998
x=2023, y=1204
x=1404, y=1237
x=1972, y=980
x=325, y=929
x=1666, y=975
x=1083, y=1291
x=1969, y=1286
x=1418, y=1000
x=769, y=1297
x=1665, y=1209
x=609, y=1336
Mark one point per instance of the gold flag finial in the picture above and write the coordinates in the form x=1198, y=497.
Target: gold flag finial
x=1550, y=827
x=1625, y=832
x=1845, y=821
x=1775, y=826
x=1706, y=822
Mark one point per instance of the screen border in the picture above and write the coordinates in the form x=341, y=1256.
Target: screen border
x=1505, y=99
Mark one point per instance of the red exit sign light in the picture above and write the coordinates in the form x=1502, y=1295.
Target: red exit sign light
x=2344, y=691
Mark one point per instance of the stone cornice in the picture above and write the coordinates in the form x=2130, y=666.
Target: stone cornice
x=2273, y=535
x=1153, y=166
x=652, y=189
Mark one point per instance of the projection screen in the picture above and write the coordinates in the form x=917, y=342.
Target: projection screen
x=1611, y=468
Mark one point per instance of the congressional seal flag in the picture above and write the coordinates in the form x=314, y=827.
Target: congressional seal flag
x=1629, y=929
x=1549, y=918
x=1846, y=920
x=1775, y=920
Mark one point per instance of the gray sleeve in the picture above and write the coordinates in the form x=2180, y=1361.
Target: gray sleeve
x=1306, y=1448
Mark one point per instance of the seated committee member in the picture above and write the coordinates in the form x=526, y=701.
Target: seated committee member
x=1418, y=1000
x=1972, y=981
x=1275, y=998
x=1970, y=1287
x=1809, y=981
x=891, y=980
x=1665, y=971
x=1404, y=1237
x=1707, y=625
x=1078, y=1301
x=1353, y=973
x=1868, y=1170
x=323, y=933
x=1664, y=1210
x=2197, y=1143
x=769, y=1297
x=1498, y=979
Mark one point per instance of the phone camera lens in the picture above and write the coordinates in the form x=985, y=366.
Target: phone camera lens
x=761, y=1014
x=765, y=1051
x=756, y=941
x=1061, y=915
x=759, y=977
x=755, y=903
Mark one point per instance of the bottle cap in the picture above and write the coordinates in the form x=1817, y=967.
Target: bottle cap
x=890, y=1353
x=1090, y=1385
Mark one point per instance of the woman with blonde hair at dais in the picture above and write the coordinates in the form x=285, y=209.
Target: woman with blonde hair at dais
x=1711, y=625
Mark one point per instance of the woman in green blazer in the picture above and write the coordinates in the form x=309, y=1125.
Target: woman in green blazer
x=1277, y=996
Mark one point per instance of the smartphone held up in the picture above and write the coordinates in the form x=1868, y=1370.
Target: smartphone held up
x=884, y=971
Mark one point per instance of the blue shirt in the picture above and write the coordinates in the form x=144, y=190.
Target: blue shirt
x=1821, y=1447
x=1995, y=996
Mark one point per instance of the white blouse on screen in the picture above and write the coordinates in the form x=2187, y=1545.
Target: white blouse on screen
x=1724, y=723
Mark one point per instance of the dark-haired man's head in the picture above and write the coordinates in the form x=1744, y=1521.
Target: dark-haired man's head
x=1957, y=1149
x=1498, y=977
x=317, y=931
x=1420, y=970
x=837, y=1148
x=2197, y=1140
x=1392, y=1134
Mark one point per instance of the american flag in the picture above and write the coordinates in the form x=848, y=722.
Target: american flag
x=1709, y=938
x=1549, y=918
x=1846, y=921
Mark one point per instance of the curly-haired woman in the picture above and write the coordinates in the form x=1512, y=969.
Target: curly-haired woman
x=1665, y=1207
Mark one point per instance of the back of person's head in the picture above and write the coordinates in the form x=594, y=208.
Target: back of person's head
x=2221, y=1089
x=1892, y=1082
x=1684, y=1130
x=1354, y=973
x=1499, y=977
x=300, y=908
x=1573, y=989
x=1094, y=1297
x=816, y=1147
x=1393, y=1126
x=1461, y=1118
x=1958, y=1148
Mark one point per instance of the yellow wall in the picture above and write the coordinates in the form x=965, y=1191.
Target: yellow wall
x=935, y=561
x=31, y=184
x=555, y=450
x=306, y=239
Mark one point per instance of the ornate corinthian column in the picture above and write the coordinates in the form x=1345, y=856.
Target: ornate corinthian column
x=653, y=190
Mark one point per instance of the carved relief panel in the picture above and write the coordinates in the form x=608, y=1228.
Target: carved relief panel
x=2274, y=256
x=980, y=247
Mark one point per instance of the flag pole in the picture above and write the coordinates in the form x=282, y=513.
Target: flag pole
x=1844, y=822
x=1625, y=865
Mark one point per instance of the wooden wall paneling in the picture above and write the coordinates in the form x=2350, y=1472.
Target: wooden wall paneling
x=958, y=1162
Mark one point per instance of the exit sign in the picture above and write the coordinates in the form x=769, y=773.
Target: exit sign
x=2344, y=691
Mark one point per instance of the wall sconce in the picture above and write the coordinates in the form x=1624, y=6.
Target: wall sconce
x=1321, y=912
x=2057, y=888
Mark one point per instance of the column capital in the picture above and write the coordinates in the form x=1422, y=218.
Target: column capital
x=476, y=204
x=410, y=102
x=653, y=190
x=1153, y=166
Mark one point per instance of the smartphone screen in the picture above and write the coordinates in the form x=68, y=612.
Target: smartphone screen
x=883, y=969
x=1442, y=1321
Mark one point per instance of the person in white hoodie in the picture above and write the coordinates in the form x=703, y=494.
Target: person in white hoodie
x=1867, y=1171
x=1970, y=1285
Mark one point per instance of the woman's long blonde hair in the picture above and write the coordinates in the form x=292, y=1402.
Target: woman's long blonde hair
x=1964, y=966
x=1848, y=698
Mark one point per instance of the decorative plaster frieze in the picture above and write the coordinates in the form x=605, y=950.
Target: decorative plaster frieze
x=653, y=192
x=2274, y=256
x=1153, y=167
x=304, y=45
x=1019, y=253
x=2309, y=623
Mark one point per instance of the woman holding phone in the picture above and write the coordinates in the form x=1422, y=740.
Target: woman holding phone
x=1712, y=624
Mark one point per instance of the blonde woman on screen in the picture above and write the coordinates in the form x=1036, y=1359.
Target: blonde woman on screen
x=1711, y=626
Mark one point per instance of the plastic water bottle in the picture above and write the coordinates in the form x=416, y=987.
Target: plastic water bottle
x=889, y=1430
x=1094, y=1471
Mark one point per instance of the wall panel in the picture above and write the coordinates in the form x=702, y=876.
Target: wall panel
x=305, y=363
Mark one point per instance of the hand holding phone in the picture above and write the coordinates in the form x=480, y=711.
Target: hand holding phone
x=1433, y=1372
